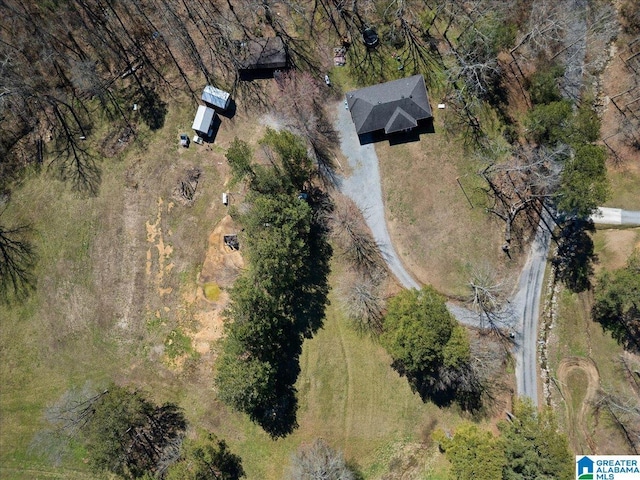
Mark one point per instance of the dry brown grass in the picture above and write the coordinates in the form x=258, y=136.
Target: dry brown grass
x=435, y=230
x=119, y=273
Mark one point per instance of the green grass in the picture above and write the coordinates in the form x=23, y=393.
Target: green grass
x=572, y=323
x=348, y=395
x=177, y=344
x=625, y=186
x=93, y=254
x=211, y=291
x=576, y=334
x=577, y=383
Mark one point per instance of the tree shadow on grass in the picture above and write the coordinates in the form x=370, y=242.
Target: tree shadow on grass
x=461, y=386
x=575, y=257
x=152, y=109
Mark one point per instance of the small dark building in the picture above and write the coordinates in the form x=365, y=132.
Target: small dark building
x=391, y=107
x=262, y=54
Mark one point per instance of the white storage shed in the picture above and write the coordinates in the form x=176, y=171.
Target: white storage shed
x=204, y=120
x=216, y=97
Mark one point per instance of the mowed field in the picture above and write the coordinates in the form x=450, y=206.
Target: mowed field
x=117, y=300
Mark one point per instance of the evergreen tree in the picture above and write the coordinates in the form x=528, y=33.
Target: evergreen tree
x=533, y=446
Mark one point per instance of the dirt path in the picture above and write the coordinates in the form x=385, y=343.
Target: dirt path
x=577, y=420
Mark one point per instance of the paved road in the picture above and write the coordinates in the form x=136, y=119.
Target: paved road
x=616, y=216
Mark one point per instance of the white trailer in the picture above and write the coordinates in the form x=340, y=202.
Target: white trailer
x=203, y=123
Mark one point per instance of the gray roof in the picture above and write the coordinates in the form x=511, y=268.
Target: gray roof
x=393, y=106
x=264, y=53
x=216, y=97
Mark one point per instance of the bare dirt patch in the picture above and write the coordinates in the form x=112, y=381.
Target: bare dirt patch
x=578, y=392
x=617, y=246
x=156, y=270
x=221, y=267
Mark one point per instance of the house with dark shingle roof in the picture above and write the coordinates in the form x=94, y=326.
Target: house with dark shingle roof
x=267, y=53
x=395, y=106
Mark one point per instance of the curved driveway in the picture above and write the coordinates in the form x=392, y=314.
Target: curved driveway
x=364, y=188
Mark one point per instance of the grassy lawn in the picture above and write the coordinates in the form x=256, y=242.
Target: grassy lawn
x=351, y=397
x=436, y=231
x=625, y=185
x=114, y=301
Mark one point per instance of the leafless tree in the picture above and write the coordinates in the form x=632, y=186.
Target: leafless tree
x=17, y=260
x=300, y=101
x=547, y=23
x=488, y=297
x=364, y=302
x=522, y=184
x=463, y=118
x=355, y=240
x=319, y=461
x=625, y=412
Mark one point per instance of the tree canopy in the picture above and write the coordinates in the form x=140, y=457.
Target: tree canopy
x=533, y=447
x=473, y=453
x=281, y=296
x=128, y=435
x=206, y=459
x=426, y=344
x=617, y=303
x=584, y=184
x=574, y=258
x=529, y=447
x=549, y=123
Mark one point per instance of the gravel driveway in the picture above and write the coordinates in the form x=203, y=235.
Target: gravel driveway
x=364, y=188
